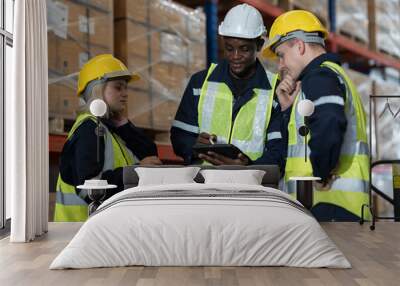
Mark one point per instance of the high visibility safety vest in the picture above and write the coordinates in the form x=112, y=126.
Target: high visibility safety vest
x=350, y=189
x=69, y=206
x=248, y=131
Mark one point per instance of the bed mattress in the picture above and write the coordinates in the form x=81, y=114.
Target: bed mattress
x=201, y=225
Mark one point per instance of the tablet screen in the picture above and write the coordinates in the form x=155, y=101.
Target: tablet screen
x=227, y=150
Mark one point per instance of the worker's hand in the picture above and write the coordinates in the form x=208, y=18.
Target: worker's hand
x=286, y=91
x=205, y=138
x=325, y=186
x=217, y=159
x=150, y=160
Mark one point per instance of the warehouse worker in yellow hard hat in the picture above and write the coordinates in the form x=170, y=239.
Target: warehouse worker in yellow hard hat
x=232, y=101
x=122, y=144
x=337, y=148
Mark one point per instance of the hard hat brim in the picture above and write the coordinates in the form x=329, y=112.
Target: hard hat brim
x=127, y=75
x=134, y=77
x=249, y=36
x=268, y=53
x=122, y=74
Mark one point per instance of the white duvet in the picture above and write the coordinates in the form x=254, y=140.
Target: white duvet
x=201, y=224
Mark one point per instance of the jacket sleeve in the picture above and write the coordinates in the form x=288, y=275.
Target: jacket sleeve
x=274, y=145
x=328, y=122
x=185, y=127
x=79, y=159
x=136, y=141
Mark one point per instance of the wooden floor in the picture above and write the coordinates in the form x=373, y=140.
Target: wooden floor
x=375, y=256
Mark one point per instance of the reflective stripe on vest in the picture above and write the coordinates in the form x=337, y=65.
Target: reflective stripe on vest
x=70, y=206
x=350, y=189
x=248, y=131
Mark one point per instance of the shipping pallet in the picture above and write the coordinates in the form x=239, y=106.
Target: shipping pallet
x=353, y=37
x=389, y=53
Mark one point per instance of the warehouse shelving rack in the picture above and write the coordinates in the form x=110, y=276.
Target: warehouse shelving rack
x=361, y=55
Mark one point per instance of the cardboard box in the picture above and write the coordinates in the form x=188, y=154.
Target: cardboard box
x=63, y=19
x=105, y=5
x=163, y=113
x=139, y=108
x=63, y=101
x=167, y=14
x=65, y=56
x=150, y=110
x=165, y=43
x=137, y=9
x=100, y=29
x=172, y=77
x=82, y=23
x=96, y=50
x=68, y=106
x=197, y=56
x=132, y=43
x=53, y=99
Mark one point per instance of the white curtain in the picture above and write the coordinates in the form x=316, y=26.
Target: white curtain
x=27, y=124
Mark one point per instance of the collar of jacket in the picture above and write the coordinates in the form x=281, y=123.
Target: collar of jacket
x=316, y=63
x=258, y=80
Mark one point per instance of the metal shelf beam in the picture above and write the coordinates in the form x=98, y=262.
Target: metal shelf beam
x=335, y=41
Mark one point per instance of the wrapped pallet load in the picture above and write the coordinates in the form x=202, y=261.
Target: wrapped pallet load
x=165, y=43
x=77, y=31
x=317, y=7
x=352, y=19
x=388, y=23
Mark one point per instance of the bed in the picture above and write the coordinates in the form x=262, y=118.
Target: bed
x=201, y=224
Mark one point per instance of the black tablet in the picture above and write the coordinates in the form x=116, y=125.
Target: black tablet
x=227, y=150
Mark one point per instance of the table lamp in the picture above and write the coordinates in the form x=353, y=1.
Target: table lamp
x=98, y=108
x=305, y=108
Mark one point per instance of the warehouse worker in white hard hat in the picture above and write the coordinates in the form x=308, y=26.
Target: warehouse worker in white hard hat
x=122, y=144
x=338, y=148
x=232, y=101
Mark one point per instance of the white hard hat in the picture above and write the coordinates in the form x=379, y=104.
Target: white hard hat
x=242, y=21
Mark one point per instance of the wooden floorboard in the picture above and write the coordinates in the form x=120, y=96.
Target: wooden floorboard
x=374, y=255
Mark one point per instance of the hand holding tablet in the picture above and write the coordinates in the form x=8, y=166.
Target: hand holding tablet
x=227, y=150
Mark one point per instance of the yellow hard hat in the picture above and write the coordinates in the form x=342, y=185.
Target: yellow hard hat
x=291, y=21
x=103, y=67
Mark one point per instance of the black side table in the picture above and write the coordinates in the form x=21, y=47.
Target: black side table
x=96, y=191
x=304, y=190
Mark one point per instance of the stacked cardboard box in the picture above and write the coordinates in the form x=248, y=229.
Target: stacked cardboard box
x=77, y=31
x=165, y=43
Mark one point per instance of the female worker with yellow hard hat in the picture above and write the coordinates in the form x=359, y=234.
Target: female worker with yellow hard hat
x=122, y=144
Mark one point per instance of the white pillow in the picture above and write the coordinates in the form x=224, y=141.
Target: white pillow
x=248, y=177
x=166, y=176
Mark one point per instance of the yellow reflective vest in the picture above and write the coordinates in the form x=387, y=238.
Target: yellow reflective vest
x=350, y=189
x=248, y=131
x=71, y=207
